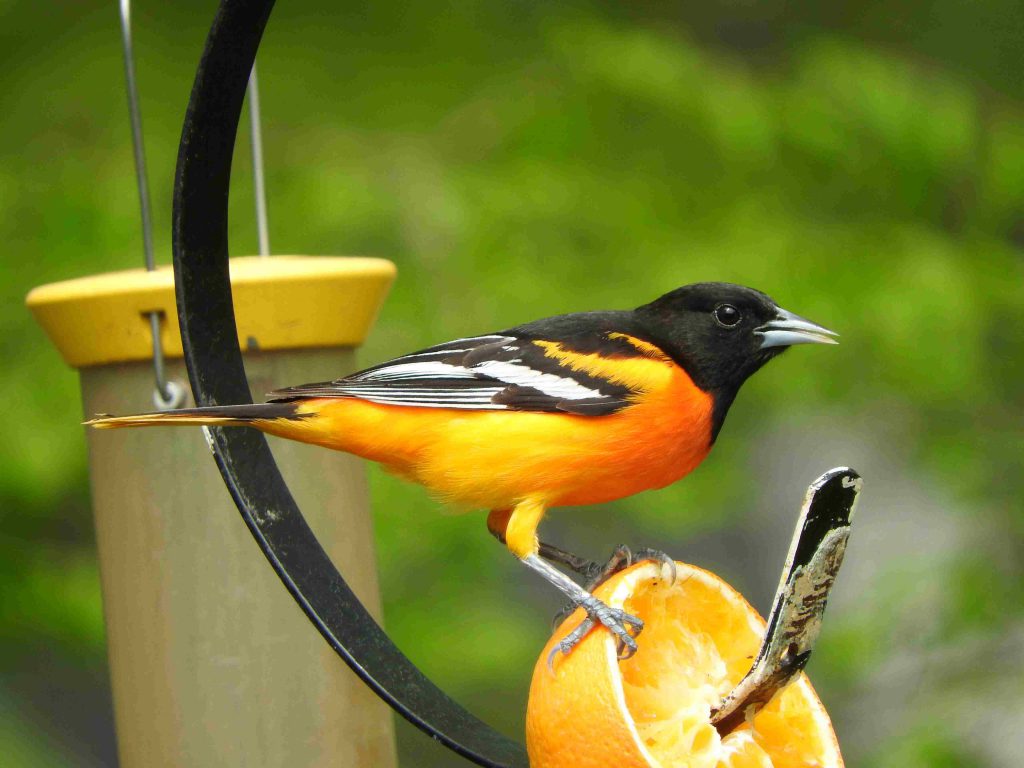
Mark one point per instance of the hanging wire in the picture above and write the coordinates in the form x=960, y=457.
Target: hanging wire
x=137, y=144
x=256, y=142
x=168, y=394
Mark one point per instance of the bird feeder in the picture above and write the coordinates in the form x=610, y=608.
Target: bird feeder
x=211, y=663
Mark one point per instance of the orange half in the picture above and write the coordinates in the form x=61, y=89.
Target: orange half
x=654, y=709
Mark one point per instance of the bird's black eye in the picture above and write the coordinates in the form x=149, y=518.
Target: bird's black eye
x=727, y=315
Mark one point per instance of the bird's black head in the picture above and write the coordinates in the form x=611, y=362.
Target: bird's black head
x=721, y=334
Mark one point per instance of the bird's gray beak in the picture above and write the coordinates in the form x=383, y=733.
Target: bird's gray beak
x=787, y=329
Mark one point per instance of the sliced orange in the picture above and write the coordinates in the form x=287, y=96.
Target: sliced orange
x=654, y=709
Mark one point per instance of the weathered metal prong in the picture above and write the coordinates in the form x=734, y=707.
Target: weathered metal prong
x=812, y=564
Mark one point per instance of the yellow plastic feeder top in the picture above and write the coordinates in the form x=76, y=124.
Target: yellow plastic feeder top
x=281, y=302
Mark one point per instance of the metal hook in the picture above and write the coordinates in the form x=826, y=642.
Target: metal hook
x=168, y=394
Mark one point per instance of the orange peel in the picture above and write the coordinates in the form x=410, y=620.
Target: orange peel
x=589, y=709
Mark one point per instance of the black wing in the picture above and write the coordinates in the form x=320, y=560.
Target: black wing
x=497, y=372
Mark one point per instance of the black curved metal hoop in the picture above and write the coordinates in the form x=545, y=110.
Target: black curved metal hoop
x=217, y=375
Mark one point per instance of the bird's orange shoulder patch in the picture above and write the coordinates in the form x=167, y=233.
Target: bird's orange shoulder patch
x=649, y=370
x=645, y=347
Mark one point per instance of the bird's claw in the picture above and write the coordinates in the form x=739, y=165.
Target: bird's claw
x=624, y=626
x=667, y=563
x=621, y=558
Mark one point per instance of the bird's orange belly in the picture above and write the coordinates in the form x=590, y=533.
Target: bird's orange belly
x=495, y=459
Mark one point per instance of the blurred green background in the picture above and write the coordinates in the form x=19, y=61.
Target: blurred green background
x=862, y=162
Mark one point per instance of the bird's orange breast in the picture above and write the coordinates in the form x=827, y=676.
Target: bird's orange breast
x=495, y=459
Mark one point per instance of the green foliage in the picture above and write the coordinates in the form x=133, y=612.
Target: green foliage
x=863, y=164
x=927, y=749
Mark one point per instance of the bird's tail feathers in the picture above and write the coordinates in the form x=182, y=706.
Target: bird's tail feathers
x=217, y=415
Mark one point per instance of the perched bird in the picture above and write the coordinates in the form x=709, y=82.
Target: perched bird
x=569, y=410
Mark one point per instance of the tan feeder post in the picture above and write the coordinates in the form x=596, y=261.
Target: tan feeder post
x=211, y=660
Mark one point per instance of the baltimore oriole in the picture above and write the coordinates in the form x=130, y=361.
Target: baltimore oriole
x=570, y=410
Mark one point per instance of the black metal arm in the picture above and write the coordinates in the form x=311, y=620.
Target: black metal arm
x=217, y=375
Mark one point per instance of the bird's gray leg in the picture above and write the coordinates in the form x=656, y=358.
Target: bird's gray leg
x=595, y=574
x=574, y=563
x=623, y=625
x=498, y=519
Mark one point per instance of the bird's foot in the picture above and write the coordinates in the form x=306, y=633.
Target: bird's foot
x=621, y=558
x=596, y=574
x=624, y=626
